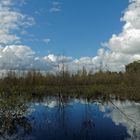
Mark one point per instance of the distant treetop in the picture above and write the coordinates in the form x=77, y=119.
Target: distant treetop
x=133, y=67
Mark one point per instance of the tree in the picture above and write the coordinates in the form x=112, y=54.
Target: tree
x=133, y=67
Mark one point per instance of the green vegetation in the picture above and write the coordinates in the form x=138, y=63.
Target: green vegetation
x=81, y=84
x=133, y=67
x=13, y=110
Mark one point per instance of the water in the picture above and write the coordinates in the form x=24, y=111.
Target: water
x=52, y=118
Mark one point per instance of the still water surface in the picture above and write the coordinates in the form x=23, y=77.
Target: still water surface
x=53, y=118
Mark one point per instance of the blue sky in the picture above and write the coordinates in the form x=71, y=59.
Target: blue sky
x=41, y=33
x=76, y=29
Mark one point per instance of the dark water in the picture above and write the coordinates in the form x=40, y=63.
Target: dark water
x=68, y=119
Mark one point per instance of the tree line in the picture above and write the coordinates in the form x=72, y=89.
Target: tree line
x=82, y=83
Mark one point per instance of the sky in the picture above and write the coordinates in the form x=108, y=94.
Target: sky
x=41, y=34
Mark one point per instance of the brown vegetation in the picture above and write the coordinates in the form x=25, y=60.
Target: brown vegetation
x=101, y=84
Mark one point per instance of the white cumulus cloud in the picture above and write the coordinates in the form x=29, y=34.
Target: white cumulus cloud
x=20, y=57
x=125, y=46
x=121, y=48
x=12, y=20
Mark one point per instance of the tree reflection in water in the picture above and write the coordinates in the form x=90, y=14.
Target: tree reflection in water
x=62, y=122
x=66, y=118
x=88, y=124
x=13, y=121
x=62, y=117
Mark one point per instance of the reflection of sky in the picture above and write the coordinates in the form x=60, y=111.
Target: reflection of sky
x=79, y=120
x=75, y=120
x=125, y=113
